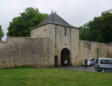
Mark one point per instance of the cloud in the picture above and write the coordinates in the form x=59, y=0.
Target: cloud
x=76, y=12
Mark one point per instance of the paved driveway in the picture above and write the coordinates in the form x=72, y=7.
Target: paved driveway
x=79, y=68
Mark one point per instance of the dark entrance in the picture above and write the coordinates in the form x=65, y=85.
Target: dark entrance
x=65, y=57
x=56, y=61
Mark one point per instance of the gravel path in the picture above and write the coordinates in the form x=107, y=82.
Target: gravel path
x=79, y=68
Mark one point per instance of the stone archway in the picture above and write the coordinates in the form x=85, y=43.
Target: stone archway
x=65, y=57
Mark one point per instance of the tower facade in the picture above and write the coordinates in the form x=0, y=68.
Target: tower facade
x=63, y=40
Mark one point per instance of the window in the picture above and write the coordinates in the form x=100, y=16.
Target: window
x=102, y=61
x=65, y=31
x=55, y=36
x=106, y=61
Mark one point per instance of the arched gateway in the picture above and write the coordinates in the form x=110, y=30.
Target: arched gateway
x=65, y=57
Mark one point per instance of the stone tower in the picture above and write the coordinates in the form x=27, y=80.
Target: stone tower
x=63, y=40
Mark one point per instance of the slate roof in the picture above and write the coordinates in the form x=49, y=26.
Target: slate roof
x=53, y=18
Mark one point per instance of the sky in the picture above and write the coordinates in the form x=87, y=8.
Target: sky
x=75, y=12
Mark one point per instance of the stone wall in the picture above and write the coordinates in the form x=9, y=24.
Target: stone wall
x=79, y=49
x=93, y=50
x=45, y=43
x=58, y=41
x=41, y=32
x=70, y=41
x=24, y=52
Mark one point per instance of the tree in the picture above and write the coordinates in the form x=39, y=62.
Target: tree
x=20, y=26
x=99, y=29
x=1, y=33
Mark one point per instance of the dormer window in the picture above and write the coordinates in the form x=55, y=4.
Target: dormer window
x=65, y=31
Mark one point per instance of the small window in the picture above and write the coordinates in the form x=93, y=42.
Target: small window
x=65, y=31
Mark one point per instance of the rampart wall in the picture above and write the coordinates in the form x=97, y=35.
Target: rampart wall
x=21, y=51
x=89, y=49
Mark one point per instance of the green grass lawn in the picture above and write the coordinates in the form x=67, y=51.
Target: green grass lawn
x=52, y=77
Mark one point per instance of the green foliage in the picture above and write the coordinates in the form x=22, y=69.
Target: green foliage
x=1, y=33
x=99, y=29
x=21, y=25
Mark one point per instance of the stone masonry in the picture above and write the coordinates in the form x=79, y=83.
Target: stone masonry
x=52, y=43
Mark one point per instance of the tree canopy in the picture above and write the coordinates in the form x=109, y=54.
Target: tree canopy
x=99, y=29
x=20, y=26
x=1, y=33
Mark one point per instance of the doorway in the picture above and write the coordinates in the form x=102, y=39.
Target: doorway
x=55, y=61
x=65, y=57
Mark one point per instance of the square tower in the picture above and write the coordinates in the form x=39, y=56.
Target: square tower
x=63, y=40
